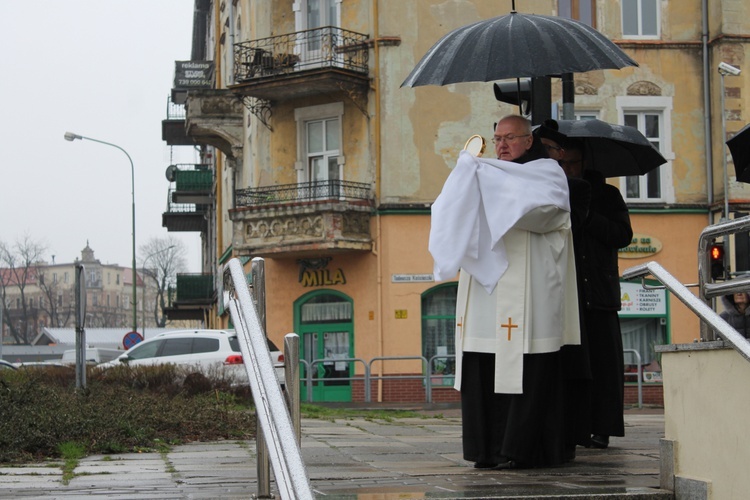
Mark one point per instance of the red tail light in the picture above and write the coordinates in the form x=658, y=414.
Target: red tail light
x=234, y=359
x=280, y=359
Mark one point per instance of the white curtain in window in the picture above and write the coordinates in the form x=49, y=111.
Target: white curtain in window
x=641, y=334
x=329, y=311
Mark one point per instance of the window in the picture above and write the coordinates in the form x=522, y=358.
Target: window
x=322, y=152
x=587, y=115
x=313, y=17
x=320, y=161
x=640, y=18
x=580, y=10
x=177, y=347
x=652, y=117
x=438, y=331
x=65, y=277
x=201, y=344
x=54, y=277
x=59, y=300
x=147, y=350
x=118, y=279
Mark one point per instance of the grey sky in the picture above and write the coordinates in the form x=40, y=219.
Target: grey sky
x=102, y=69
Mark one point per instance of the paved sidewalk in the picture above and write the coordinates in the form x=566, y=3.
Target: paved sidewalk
x=359, y=459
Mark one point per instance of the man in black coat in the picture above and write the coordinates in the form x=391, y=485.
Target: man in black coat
x=606, y=229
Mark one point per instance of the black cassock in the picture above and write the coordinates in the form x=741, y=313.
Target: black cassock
x=527, y=428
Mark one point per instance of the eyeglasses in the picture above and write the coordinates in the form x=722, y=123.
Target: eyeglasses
x=549, y=147
x=507, y=138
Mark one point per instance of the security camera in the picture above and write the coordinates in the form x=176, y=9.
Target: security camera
x=728, y=69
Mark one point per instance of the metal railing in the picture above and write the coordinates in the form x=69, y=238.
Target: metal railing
x=184, y=208
x=175, y=111
x=193, y=177
x=324, y=47
x=639, y=374
x=271, y=411
x=695, y=304
x=427, y=373
x=304, y=191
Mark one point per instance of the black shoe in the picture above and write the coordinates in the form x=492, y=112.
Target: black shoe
x=599, y=441
x=570, y=454
x=510, y=464
x=484, y=465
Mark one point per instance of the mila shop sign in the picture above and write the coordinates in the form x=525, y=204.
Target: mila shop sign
x=322, y=277
x=193, y=74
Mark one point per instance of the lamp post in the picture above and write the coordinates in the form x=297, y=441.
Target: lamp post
x=143, y=301
x=70, y=136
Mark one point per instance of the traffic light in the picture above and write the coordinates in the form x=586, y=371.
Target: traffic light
x=517, y=93
x=716, y=259
x=532, y=95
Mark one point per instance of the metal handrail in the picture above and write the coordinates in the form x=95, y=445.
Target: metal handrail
x=695, y=304
x=311, y=365
x=710, y=290
x=639, y=375
x=271, y=411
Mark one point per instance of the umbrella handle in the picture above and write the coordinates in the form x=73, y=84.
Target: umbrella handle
x=476, y=145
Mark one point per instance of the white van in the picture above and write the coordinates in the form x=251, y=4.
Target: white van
x=94, y=355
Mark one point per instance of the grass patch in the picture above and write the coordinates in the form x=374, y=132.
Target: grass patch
x=328, y=413
x=71, y=454
x=124, y=409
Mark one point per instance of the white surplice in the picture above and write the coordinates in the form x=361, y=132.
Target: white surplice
x=507, y=227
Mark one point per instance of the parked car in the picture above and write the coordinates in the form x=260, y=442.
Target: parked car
x=207, y=350
x=94, y=355
x=5, y=365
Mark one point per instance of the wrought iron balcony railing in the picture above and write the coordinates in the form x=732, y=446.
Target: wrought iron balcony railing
x=306, y=191
x=184, y=208
x=325, y=47
x=175, y=111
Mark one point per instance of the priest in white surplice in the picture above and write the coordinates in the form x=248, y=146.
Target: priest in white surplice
x=506, y=225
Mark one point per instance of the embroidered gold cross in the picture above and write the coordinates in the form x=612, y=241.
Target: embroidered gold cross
x=509, y=326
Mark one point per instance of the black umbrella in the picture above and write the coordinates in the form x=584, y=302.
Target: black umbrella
x=739, y=146
x=613, y=150
x=513, y=46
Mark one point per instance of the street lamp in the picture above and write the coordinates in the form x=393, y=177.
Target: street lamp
x=143, y=301
x=725, y=69
x=70, y=136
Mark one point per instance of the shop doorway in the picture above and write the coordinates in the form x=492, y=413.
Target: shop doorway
x=323, y=320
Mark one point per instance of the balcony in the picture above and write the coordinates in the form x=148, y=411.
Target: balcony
x=193, y=183
x=194, y=295
x=305, y=219
x=320, y=60
x=173, y=130
x=184, y=217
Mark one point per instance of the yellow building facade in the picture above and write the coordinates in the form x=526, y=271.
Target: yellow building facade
x=326, y=167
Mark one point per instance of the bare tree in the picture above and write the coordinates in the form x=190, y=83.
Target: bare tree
x=18, y=271
x=57, y=303
x=162, y=259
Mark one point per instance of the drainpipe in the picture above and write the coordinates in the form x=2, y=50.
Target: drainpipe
x=219, y=160
x=707, y=107
x=378, y=159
